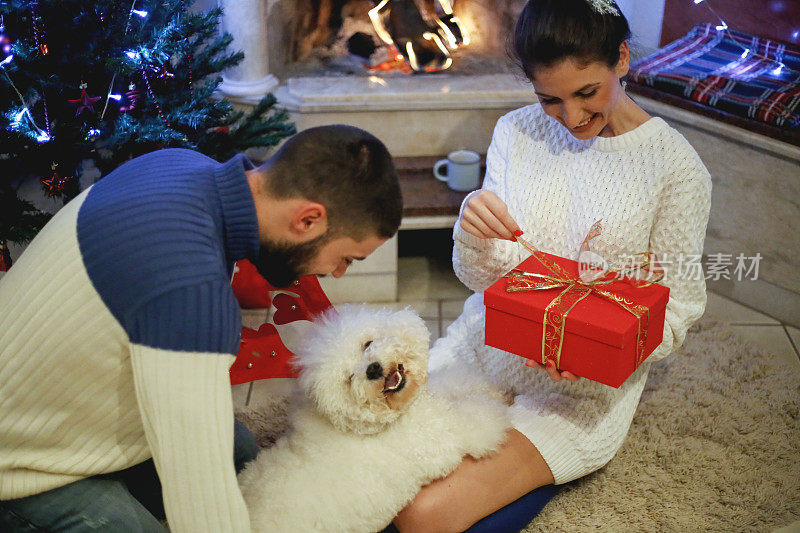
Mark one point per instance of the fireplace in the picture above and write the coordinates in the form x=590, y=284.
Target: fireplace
x=396, y=37
x=327, y=62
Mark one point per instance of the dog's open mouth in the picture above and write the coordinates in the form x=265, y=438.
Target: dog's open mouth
x=395, y=381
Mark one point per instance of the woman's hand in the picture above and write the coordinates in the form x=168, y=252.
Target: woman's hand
x=551, y=369
x=486, y=217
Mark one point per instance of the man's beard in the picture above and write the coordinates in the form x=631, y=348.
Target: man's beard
x=281, y=262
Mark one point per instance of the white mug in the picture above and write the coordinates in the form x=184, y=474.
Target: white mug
x=463, y=170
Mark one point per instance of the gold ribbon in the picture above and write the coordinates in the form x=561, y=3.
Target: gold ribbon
x=575, y=289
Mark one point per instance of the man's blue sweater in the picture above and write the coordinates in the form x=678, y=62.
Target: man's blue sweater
x=117, y=328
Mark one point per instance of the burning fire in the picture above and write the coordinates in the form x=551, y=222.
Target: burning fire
x=424, y=51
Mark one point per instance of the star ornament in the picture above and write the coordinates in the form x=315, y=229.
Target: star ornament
x=56, y=184
x=84, y=102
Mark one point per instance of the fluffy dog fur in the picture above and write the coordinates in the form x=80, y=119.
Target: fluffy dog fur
x=362, y=443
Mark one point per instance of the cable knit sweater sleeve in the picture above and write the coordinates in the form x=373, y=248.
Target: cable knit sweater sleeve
x=480, y=262
x=676, y=238
x=180, y=371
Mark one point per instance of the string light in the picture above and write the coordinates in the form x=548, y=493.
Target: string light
x=130, y=54
x=18, y=116
x=189, y=58
x=41, y=136
x=723, y=26
x=16, y=122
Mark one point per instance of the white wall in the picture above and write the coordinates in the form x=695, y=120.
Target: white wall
x=645, y=18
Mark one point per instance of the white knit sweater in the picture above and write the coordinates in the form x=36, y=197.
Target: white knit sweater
x=651, y=191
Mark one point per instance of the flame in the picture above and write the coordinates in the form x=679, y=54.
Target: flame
x=412, y=57
x=432, y=36
x=446, y=7
x=375, y=17
x=465, y=40
x=451, y=41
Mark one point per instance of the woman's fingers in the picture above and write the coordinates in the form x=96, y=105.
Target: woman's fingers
x=483, y=220
x=489, y=215
x=569, y=376
x=489, y=208
x=552, y=371
x=475, y=226
x=500, y=212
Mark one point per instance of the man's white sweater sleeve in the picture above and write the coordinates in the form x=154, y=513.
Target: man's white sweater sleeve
x=187, y=412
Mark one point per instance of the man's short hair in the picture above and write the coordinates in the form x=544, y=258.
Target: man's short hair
x=346, y=169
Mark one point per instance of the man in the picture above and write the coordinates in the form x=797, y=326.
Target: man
x=118, y=325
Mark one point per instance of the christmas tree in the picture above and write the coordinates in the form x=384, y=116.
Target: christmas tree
x=108, y=81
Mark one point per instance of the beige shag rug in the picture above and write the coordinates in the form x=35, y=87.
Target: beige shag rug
x=714, y=446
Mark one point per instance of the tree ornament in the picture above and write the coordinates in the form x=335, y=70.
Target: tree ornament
x=56, y=184
x=5, y=257
x=131, y=98
x=85, y=101
x=5, y=43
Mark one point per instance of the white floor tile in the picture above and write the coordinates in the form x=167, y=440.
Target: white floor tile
x=725, y=310
x=772, y=339
x=794, y=333
x=452, y=308
x=783, y=304
x=421, y=278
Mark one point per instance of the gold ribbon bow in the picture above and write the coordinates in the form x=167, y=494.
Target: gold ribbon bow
x=589, y=281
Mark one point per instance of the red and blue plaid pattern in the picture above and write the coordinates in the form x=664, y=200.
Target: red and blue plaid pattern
x=709, y=67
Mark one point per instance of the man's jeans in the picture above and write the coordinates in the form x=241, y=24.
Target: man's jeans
x=120, y=502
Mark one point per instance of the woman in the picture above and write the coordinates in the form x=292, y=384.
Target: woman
x=585, y=152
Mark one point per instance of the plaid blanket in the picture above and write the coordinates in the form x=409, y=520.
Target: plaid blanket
x=729, y=70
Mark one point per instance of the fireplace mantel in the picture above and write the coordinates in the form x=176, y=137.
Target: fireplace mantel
x=414, y=115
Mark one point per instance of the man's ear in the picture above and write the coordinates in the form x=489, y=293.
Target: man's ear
x=310, y=220
x=623, y=65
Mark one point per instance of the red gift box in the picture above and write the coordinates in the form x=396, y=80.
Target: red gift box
x=599, y=339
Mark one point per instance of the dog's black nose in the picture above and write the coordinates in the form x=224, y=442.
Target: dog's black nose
x=374, y=371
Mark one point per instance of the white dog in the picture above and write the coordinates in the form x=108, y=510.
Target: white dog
x=368, y=432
